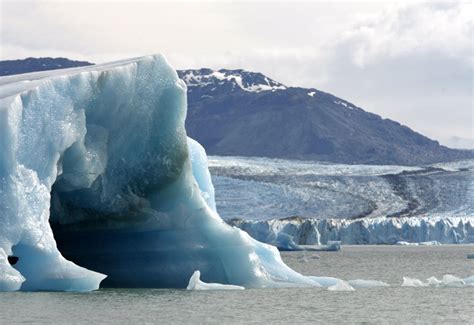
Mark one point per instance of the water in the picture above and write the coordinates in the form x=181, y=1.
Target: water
x=394, y=304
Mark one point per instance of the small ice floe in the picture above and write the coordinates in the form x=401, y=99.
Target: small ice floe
x=423, y=243
x=341, y=285
x=448, y=280
x=412, y=282
x=337, y=284
x=359, y=283
x=195, y=283
x=452, y=281
x=430, y=243
x=434, y=282
x=469, y=281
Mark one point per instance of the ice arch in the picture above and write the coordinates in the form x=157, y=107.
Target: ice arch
x=101, y=154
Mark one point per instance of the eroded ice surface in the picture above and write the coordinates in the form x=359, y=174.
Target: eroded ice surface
x=100, y=153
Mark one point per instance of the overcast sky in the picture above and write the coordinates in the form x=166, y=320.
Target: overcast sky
x=411, y=62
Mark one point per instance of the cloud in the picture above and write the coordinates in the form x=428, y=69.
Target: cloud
x=411, y=62
x=403, y=30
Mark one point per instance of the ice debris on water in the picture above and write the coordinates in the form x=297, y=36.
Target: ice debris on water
x=195, y=283
x=447, y=280
x=423, y=243
x=341, y=285
x=359, y=283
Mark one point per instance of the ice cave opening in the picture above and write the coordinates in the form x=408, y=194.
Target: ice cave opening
x=12, y=259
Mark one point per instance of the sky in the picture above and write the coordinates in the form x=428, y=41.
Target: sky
x=408, y=61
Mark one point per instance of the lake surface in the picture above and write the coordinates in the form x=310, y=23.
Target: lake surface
x=392, y=305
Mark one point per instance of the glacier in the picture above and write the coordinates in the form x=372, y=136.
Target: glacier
x=365, y=231
x=354, y=204
x=99, y=185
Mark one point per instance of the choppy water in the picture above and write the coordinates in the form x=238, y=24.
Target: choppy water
x=393, y=305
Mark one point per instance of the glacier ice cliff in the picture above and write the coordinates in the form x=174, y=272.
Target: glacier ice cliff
x=374, y=231
x=96, y=182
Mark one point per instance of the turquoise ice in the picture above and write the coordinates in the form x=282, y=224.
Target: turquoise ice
x=96, y=182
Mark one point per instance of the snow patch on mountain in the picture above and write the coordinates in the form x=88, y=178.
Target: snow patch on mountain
x=238, y=79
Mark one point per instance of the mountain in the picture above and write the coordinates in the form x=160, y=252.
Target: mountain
x=9, y=67
x=242, y=113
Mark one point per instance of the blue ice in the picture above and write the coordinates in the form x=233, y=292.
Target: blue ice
x=100, y=184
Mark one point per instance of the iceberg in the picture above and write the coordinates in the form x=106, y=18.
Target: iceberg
x=195, y=283
x=100, y=184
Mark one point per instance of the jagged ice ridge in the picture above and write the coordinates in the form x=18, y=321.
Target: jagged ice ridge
x=381, y=230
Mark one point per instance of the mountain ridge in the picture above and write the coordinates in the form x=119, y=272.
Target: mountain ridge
x=234, y=112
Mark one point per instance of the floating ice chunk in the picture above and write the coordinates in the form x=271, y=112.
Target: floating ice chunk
x=341, y=285
x=423, y=243
x=411, y=282
x=452, y=281
x=448, y=280
x=196, y=284
x=367, y=283
x=469, y=281
x=434, y=282
x=405, y=243
x=430, y=243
